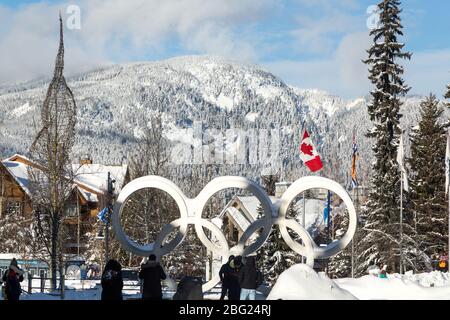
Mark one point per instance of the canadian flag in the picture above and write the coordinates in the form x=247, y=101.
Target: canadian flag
x=309, y=155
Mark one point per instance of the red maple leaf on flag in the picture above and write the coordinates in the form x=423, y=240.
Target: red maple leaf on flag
x=306, y=149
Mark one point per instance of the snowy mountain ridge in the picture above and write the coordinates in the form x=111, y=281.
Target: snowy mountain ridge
x=114, y=102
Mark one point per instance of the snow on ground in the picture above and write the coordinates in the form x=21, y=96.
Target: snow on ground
x=301, y=282
x=427, y=286
x=92, y=291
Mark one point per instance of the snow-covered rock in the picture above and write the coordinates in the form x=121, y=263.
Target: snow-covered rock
x=301, y=282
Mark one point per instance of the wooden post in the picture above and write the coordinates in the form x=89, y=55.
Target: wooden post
x=63, y=286
x=42, y=283
x=78, y=223
x=30, y=283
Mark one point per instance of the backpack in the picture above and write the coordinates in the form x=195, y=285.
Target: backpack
x=11, y=280
x=12, y=285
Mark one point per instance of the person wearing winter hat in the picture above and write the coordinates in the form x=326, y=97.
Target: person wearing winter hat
x=248, y=279
x=225, y=274
x=234, y=289
x=152, y=273
x=12, y=279
x=112, y=281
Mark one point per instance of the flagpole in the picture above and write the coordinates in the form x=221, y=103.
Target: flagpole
x=311, y=159
x=355, y=194
x=304, y=218
x=403, y=184
x=353, y=245
x=304, y=193
x=401, y=222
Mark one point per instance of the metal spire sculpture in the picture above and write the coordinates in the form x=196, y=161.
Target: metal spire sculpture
x=59, y=64
x=51, y=178
x=59, y=108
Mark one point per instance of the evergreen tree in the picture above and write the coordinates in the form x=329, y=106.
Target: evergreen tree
x=275, y=256
x=447, y=95
x=429, y=205
x=381, y=241
x=340, y=265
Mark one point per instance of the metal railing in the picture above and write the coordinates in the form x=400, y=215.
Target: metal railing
x=44, y=285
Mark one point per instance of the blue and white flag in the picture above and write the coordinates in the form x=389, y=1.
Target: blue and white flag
x=326, y=214
x=102, y=215
x=401, y=164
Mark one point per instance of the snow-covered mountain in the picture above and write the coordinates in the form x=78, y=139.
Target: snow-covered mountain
x=114, y=103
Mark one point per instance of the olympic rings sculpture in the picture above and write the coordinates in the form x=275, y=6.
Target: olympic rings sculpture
x=274, y=214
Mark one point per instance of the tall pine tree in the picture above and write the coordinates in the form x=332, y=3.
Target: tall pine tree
x=429, y=205
x=381, y=241
x=447, y=95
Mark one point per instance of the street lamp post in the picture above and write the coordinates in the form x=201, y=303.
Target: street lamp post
x=110, y=184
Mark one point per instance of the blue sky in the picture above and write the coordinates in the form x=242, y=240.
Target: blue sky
x=308, y=43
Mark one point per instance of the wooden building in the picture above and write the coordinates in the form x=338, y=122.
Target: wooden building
x=87, y=199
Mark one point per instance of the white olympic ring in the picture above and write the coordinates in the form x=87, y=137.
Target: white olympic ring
x=274, y=214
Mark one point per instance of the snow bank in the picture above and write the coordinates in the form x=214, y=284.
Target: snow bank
x=301, y=282
x=427, y=286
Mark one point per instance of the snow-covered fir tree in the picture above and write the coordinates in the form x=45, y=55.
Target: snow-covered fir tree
x=16, y=234
x=429, y=205
x=340, y=265
x=275, y=256
x=447, y=95
x=380, y=244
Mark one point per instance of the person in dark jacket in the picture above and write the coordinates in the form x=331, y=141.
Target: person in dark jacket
x=234, y=289
x=152, y=273
x=225, y=274
x=248, y=279
x=12, y=279
x=112, y=281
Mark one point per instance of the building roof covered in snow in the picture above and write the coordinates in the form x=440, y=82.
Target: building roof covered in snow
x=90, y=179
x=19, y=171
x=243, y=210
x=95, y=176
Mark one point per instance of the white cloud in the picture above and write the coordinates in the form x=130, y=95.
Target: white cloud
x=321, y=24
x=428, y=71
x=115, y=30
x=343, y=73
x=120, y=31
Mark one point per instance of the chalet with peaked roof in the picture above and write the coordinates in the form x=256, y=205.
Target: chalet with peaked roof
x=241, y=211
x=87, y=199
x=238, y=214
